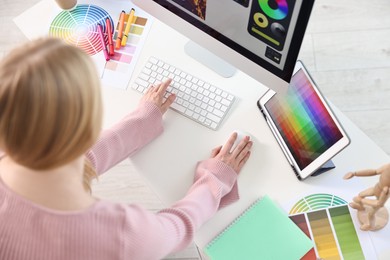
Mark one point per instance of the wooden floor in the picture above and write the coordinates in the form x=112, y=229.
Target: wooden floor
x=347, y=50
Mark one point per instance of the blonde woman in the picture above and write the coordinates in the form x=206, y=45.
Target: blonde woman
x=50, y=120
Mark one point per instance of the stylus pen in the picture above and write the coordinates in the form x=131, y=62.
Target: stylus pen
x=128, y=25
x=103, y=42
x=120, y=30
x=109, y=33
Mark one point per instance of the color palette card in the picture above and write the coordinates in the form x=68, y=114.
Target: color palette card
x=263, y=231
x=327, y=220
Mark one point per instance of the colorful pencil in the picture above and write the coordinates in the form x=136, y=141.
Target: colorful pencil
x=120, y=30
x=103, y=42
x=128, y=26
x=109, y=34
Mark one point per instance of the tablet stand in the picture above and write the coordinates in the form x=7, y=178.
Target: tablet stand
x=324, y=168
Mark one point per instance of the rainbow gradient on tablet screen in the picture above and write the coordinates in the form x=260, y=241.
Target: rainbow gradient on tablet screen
x=303, y=121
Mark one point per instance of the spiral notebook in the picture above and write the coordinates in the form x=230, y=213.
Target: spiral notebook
x=262, y=231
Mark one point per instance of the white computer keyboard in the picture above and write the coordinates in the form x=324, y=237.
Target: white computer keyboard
x=195, y=98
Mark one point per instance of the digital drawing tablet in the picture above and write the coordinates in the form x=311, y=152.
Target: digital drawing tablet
x=303, y=124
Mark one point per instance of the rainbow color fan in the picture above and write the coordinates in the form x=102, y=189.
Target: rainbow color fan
x=78, y=27
x=315, y=202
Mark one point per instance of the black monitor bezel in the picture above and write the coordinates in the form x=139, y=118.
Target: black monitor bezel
x=296, y=41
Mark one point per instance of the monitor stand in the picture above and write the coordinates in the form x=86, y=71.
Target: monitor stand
x=209, y=59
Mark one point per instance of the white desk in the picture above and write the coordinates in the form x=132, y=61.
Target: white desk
x=168, y=163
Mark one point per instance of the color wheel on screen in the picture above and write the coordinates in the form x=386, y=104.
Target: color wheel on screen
x=279, y=13
x=326, y=219
x=78, y=27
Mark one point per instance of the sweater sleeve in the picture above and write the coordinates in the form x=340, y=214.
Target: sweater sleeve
x=125, y=138
x=172, y=229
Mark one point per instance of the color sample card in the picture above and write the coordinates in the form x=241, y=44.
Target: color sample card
x=124, y=56
x=327, y=220
x=301, y=222
x=303, y=121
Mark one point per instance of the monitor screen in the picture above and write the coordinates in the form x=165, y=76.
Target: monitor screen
x=268, y=33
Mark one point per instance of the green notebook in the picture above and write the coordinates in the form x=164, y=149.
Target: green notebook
x=263, y=231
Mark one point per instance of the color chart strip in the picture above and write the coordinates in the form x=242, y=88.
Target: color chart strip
x=346, y=233
x=301, y=222
x=323, y=237
x=333, y=233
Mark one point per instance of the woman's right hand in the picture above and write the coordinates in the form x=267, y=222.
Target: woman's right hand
x=155, y=94
x=238, y=157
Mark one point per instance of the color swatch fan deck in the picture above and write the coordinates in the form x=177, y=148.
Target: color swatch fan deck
x=327, y=220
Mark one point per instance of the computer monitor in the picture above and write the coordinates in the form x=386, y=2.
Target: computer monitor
x=262, y=38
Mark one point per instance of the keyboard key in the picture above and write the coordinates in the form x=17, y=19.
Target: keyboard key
x=225, y=102
x=178, y=107
x=153, y=60
x=142, y=82
x=144, y=76
x=213, y=117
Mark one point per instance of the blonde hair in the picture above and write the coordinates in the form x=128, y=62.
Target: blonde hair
x=50, y=105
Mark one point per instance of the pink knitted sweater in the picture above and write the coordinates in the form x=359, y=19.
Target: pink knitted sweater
x=111, y=230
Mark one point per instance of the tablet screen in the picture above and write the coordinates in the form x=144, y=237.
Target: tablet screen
x=303, y=121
